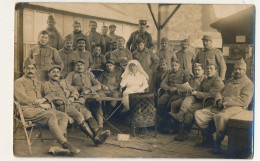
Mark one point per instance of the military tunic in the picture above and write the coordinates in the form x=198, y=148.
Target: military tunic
x=44, y=57
x=131, y=43
x=86, y=56
x=212, y=56
x=168, y=55
x=55, y=39
x=186, y=59
x=68, y=57
x=121, y=56
x=108, y=42
x=96, y=38
x=98, y=61
x=75, y=35
x=26, y=91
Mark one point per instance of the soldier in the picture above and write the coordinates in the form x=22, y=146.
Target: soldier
x=44, y=56
x=95, y=38
x=235, y=97
x=83, y=54
x=87, y=86
x=110, y=81
x=209, y=88
x=28, y=92
x=108, y=40
x=185, y=57
x=112, y=35
x=212, y=55
x=55, y=39
x=148, y=60
x=113, y=47
x=64, y=97
x=68, y=56
x=169, y=85
x=121, y=55
x=165, y=52
x=99, y=60
x=77, y=32
x=179, y=107
x=140, y=34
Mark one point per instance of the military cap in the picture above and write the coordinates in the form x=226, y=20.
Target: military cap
x=175, y=60
x=120, y=37
x=142, y=22
x=53, y=67
x=164, y=39
x=110, y=61
x=163, y=61
x=210, y=62
x=240, y=64
x=185, y=41
x=81, y=38
x=28, y=62
x=195, y=65
x=207, y=37
x=139, y=41
x=104, y=26
x=76, y=22
x=112, y=25
x=51, y=18
x=68, y=38
x=80, y=60
x=92, y=21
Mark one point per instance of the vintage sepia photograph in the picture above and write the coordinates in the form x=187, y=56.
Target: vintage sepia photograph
x=134, y=80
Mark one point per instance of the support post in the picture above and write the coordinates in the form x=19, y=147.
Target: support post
x=159, y=27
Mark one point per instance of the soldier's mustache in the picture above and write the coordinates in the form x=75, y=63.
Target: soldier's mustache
x=30, y=73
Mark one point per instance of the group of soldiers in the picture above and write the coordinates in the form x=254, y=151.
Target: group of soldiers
x=59, y=83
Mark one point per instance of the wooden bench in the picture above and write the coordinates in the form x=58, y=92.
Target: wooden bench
x=240, y=134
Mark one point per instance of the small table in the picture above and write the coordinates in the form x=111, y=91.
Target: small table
x=109, y=114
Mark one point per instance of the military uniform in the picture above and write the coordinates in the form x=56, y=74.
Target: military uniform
x=82, y=82
x=108, y=42
x=77, y=34
x=55, y=39
x=26, y=91
x=44, y=56
x=119, y=55
x=98, y=61
x=86, y=56
x=96, y=38
x=131, y=43
x=213, y=56
x=148, y=60
x=157, y=78
x=186, y=58
x=68, y=57
x=168, y=55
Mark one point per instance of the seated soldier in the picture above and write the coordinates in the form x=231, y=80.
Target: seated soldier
x=110, y=82
x=179, y=107
x=169, y=84
x=63, y=97
x=87, y=86
x=159, y=74
x=209, y=88
x=99, y=60
x=113, y=47
x=28, y=92
x=235, y=97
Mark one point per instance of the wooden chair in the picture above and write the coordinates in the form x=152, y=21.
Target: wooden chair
x=18, y=116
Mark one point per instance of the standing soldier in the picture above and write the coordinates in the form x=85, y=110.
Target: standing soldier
x=140, y=34
x=212, y=55
x=113, y=47
x=148, y=60
x=68, y=56
x=185, y=57
x=44, y=56
x=28, y=92
x=112, y=35
x=77, y=32
x=121, y=55
x=83, y=54
x=55, y=39
x=95, y=38
x=166, y=53
x=108, y=40
x=99, y=60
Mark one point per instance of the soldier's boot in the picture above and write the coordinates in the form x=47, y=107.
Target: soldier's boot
x=99, y=136
x=217, y=146
x=178, y=116
x=184, y=135
x=207, y=140
x=86, y=130
x=72, y=149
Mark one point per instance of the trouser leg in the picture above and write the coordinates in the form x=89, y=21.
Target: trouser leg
x=74, y=113
x=203, y=117
x=187, y=103
x=162, y=102
x=62, y=120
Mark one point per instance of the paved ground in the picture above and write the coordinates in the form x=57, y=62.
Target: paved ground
x=148, y=147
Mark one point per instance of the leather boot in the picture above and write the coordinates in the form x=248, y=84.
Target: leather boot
x=86, y=130
x=99, y=135
x=178, y=116
x=207, y=140
x=71, y=148
x=219, y=138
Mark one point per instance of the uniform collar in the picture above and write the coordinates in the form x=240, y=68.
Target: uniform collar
x=42, y=46
x=240, y=80
x=77, y=32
